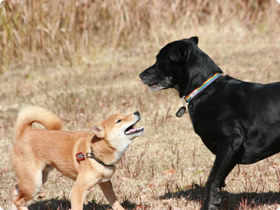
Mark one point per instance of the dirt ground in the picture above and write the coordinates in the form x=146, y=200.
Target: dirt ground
x=168, y=166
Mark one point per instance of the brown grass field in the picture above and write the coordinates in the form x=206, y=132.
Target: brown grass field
x=85, y=72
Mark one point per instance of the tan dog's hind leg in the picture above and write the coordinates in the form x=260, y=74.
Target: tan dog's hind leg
x=29, y=184
x=14, y=194
x=82, y=184
x=19, y=201
x=108, y=191
x=24, y=193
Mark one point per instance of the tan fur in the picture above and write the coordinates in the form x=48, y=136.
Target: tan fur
x=31, y=114
x=37, y=151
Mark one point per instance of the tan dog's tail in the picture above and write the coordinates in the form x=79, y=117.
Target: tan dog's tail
x=31, y=114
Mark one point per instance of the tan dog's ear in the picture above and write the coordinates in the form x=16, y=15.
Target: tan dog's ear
x=98, y=130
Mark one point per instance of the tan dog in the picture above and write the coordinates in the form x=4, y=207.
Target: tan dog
x=85, y=157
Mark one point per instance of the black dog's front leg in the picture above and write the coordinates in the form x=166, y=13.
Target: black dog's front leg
x=226, y=159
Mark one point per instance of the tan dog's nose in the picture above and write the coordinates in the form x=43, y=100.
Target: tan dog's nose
x=137, y=113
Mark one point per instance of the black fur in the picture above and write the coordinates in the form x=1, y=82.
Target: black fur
x=238, y=121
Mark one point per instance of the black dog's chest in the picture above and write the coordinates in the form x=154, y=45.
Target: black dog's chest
x=207, y=127
x=217, y=123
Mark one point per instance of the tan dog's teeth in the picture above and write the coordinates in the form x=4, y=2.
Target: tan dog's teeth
x=133, y=130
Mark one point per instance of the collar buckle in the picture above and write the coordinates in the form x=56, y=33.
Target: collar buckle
x=81, y=156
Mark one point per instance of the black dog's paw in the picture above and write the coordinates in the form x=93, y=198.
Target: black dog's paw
x=210, y=206
x=212, y=202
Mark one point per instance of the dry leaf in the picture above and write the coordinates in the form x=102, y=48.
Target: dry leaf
x=169, y=172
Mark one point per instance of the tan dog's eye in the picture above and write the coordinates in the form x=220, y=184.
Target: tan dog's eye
x=118, y=121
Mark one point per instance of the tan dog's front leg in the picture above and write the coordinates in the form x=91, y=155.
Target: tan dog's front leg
x=79, y=189
x=108, y=191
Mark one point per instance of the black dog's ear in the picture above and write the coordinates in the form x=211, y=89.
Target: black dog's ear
x=180, y=53
x=194, y=39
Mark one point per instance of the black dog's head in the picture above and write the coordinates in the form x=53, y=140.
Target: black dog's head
x=180, y=65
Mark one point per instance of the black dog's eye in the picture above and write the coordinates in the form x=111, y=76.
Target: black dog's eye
x=118, y=121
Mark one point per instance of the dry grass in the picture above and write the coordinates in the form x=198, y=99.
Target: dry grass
x=40, y=32
x=168, y=166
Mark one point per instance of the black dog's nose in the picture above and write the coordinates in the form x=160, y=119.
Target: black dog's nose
x=136, y=113
x=141, y=76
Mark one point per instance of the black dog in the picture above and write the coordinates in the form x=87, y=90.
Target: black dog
x=238, y=121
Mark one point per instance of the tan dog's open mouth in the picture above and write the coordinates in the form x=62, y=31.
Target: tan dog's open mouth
x=131, y=130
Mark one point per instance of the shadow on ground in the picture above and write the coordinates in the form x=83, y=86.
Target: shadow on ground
x=54, y=204
x=230, y=200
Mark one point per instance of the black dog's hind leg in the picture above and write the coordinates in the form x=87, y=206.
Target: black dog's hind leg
x=226, y=158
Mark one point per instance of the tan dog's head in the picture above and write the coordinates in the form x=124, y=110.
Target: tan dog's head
x=119, y=129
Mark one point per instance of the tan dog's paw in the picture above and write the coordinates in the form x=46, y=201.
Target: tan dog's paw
x=117, y=206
